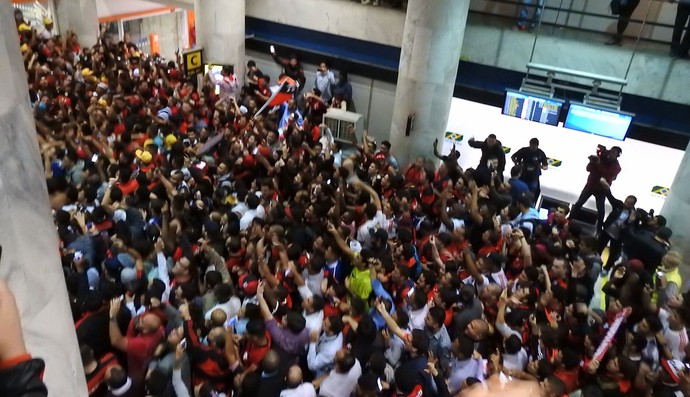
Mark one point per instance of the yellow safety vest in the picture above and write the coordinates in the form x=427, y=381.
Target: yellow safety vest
x=672, y=276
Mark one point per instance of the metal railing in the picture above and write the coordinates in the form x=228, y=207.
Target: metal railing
x=567, y=12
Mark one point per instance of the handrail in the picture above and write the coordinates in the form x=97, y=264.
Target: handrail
x=577, y=12
x=577, y=73
x=575, y=28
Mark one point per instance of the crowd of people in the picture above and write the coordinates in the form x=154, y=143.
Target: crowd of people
x=209, y=249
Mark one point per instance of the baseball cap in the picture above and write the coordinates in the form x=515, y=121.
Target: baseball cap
x=249, y=284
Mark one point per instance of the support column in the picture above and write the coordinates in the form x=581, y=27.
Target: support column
x=79, y=16
x=220, y=31
x=30, y=261
x=676, y=209
x=429, y=59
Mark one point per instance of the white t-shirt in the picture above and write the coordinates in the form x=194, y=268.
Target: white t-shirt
x=498, y=278
x=363, y=235
x=516, y=362
x=341, y=385
x=417, y=317
x=304, y=390
x=676, y=341
x=249, y=216
x=457, y=224
x=231, y=308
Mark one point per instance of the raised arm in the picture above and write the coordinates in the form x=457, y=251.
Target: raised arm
x=474, y=206
x=472, y=266
x=118, y=340
x=372, y=193
x=347, y=251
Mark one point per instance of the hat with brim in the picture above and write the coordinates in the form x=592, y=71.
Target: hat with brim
x=144, y=156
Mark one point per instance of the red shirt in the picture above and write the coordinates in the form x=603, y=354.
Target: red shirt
x=129, y=187
x=414, y=177
x=253, y=354
x=140, y=348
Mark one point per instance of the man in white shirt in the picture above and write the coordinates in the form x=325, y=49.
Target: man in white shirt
x=515, y=357
x=313, y=312
x=226, y=302
x=295, y=387
x=341, y=381
x=675, y=332
x=323, y=348
x=374, y=219
x=255, y=210
x=373, y=214
x=227, y=82
x=464, y=364
x=325, y=79
x=418, y=309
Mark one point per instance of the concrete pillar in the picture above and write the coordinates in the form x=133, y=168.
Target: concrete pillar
x=30, y=261
x=431, y=45
x=220, y=31
x=79, y=16
x=676, y=209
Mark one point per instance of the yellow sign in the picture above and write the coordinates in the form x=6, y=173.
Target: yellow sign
x=193, y=62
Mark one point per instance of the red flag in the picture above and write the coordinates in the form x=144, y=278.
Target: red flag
x=283, y=92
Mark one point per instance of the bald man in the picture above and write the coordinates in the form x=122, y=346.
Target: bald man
x=218, y=318
x=272, y=378
x=295, y=387
x=144, y=333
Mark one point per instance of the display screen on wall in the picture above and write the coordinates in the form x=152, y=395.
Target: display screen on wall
x=531, y=107
x=597, y=121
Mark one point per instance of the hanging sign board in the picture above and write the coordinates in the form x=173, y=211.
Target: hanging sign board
x=193, y=62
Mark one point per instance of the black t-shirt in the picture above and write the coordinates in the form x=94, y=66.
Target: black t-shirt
x=531, y=161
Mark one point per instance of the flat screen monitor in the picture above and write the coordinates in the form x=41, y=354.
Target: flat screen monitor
x=607, y=123
x=531, y=107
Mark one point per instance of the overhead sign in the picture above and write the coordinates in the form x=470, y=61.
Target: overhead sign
x=193, y=62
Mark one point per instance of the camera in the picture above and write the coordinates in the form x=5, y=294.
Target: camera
x=602, y=151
